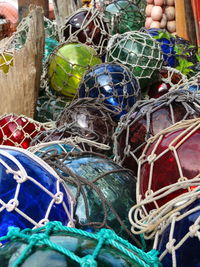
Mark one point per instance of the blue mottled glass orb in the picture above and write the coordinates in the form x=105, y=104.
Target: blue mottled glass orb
x=23, y=201
x=188, y=253
x=114, y=85
x=167, y=43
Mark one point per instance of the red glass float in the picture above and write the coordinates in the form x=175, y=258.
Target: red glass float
x=18, y=130
x=169, y=166
x=148, y=118
x=168, y=78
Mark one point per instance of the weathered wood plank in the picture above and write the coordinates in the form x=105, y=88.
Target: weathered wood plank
x=24, y=7
x=20, y=86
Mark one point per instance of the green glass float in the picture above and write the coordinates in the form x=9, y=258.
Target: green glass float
x=48, y=108
x=60, y=246
x=103, y=190
x=138, y=51
x=67, y=65
x=123, y=16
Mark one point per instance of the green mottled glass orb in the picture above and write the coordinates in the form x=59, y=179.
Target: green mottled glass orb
x=67, y=65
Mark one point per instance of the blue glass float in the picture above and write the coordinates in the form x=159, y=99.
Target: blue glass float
x=188, y=253
x=167, y=43
x=30, y=192
x=114, y=85
x=104, y=191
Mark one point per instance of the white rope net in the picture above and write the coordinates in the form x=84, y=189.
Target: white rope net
x=152, y=213
x=174, y=242
x=21, y=177
x=19, y=130
x=136, y=50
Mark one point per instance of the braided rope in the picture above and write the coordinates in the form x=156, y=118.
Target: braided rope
x=40, y=237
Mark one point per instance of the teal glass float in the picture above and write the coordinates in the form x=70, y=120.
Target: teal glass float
x=67, y=65
x=104, y=191
x=139, y=52
x=56, y=147
x=49, y=107
x=59, y=246
x=31, y=193
x=123, y=16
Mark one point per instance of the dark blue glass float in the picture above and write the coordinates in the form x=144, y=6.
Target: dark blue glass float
x=114, y=85
x=188, y=255
x=32, y=200
x=167, y=43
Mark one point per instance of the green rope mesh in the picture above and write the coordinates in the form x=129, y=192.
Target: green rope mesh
x=38, y=237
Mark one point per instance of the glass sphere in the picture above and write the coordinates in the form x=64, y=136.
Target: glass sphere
x=112, y=84
x=67, y=65
x=18, y=130
x=172, y=157
x=146, y=119
x=86, y=26
x=6, y=60
x=187, y=254
x=138, y=51
x=48, y=108
x=90, y=118
x=30, y=193
x=106, y=190
x=123, y=16
x=168, y=78
x=167, y=44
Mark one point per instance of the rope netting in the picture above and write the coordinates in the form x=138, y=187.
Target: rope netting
x=37, y=239
x=123, y=16
x=91, y=119
x=14, y=168
x=136, y=50
x=155, y=208
x=148, y=118
x=192, y=84
x=86, y=26
x=19, y=130
x=89, y=178
x=67, y=64
x=48, y=108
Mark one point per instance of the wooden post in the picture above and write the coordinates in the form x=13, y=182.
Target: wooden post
x=181, y=24
x=63, y=9
x=24, y=7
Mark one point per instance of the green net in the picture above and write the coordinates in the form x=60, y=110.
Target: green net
x=25, y=244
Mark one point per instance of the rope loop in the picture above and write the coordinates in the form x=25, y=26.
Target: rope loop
x=88, y=261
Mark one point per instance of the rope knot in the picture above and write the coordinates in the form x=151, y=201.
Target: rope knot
x=88, y=261
x=193, y=230
x=36, y=238
x=13, y=232
x=106, y=234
